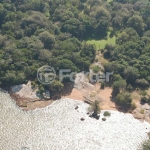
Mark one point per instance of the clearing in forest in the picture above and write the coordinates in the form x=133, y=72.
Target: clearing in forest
x=100, y=44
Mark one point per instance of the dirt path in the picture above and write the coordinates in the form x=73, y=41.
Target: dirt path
x=75, y=94
x=107, y=104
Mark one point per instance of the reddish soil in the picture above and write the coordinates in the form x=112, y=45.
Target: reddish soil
x=103, y=95
x=75, y=94
x=107, y=104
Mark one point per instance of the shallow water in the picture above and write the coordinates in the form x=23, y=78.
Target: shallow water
x=58, y=127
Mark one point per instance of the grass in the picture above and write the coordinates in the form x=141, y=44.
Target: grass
x=142, y=111
x=107, y=113
x=100, y=44
x=96, y=69
x=108, y=1
x=93, y=94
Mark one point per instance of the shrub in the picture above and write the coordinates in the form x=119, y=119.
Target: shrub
x=96, y=69
x=143, y=93
x=56, y=86
x=33, y=84
x=41, y=90
x=117, y=77
x=95, y=108
x=107, y=113
x=143, y=99
x=146, y=145
x=133, y=106
x=93, y=94
x=129, y=88
x=142, y=111
x=124, y=100
x=102, y=85
x=142, y=82
x=117, y=86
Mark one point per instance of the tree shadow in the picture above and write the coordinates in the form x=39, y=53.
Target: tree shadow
x=112, y=34
x=120, y=109
x=112, y=98
x=67, y=90
x=107, y=55
x=95, y=37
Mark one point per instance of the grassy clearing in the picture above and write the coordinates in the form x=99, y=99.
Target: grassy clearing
x=100, y=44
x=108, y=1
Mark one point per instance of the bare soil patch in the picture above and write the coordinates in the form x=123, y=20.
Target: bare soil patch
x=107, y=103
x=75, y=94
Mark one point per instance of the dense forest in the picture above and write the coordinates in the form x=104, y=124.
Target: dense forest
x=54, y=32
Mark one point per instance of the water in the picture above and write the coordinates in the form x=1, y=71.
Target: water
x=58, y=127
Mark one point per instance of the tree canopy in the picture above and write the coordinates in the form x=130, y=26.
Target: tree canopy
x=54, y=32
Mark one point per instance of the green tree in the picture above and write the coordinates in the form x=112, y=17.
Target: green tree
x=56, y=86
x=117, y=77
x=95, y=108
x=96, y=69
x=103, y=85
x=9, y=77
x=48, y=39
x=146, y=145
x=45, y=55
x=129, y=88
x=129, y=34
x=124, y=100
x=2, y=40
x=66, y=64
x=102, y=17
x=72, y=26
x=41, y=89
x=2, y=14
x=143, y=93
x=118, y=86
x=136, y=22
x=131, y=74
x=142, y=82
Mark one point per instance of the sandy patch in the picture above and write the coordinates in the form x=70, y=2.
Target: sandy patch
x=75, y=94
x=107, y=103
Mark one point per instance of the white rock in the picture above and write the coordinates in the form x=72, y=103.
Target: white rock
x=58, y=127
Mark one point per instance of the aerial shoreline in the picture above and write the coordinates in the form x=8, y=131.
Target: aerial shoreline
x=62, y=119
